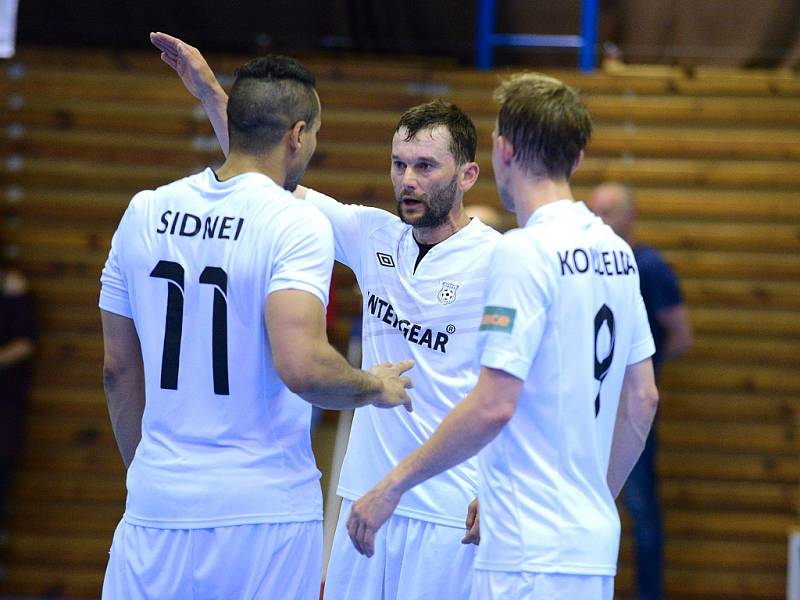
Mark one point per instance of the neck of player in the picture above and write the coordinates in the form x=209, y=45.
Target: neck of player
x=457, y=219
x=531, y=193
x=271, y=165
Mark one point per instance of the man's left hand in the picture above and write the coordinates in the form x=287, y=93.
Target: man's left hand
x=367, y=516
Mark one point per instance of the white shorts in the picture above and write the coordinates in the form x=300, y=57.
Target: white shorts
x=502, y=585
x=245, y=562
x=413, y=560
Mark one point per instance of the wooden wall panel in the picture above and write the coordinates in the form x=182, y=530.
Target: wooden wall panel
x=714, y=160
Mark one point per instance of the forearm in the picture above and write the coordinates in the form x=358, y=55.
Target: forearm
x=215, y=104
x=330, y=382
x=16, y=351
x=634, y=419
x=126, y=399
x=469, y=427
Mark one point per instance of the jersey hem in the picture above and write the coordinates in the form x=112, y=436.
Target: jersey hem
x=410, y=513
x=568, y=568
x=219, y=521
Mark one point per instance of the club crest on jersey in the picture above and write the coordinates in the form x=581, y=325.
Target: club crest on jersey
x=447, y=295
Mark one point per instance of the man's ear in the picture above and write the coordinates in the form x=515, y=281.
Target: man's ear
x=505, y=150
x=469, y=175
x=577, y=163
x=297, y=135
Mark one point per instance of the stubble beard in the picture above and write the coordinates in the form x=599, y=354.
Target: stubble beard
x=438, y=204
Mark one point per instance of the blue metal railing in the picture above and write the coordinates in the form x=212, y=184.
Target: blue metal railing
x=586, y=42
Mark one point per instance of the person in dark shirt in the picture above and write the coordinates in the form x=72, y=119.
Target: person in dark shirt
x=17, y=334
x=672, y=333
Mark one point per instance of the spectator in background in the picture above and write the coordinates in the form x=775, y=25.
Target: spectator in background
x=672, y=333
x=17, y=335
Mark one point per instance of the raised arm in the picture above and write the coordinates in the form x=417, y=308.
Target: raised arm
x=197, y=76
x=314, y=370
x=637, y=409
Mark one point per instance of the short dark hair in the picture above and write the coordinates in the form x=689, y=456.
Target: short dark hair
x=463, y=137
x=270, y=94
x=546, y=122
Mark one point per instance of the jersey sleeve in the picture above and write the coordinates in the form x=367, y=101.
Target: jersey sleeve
x=351, y=225
x=114, y=296
x=517, y=297
x=346, y=224
x=642, y=344
x=304, y=256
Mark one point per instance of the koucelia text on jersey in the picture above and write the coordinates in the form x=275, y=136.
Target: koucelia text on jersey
x=563, y=314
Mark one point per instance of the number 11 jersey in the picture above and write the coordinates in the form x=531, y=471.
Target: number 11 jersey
x=224, y=442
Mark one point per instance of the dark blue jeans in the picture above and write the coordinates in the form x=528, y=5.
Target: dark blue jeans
x=640, y=496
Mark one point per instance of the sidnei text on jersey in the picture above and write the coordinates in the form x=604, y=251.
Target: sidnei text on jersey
x=209, y=227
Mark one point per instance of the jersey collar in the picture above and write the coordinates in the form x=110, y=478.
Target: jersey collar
x=559, y=210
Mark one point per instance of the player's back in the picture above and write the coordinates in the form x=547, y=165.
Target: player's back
x=224, y=442
x=544, y=477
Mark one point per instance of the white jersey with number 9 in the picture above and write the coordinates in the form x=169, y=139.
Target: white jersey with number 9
x=564, y=314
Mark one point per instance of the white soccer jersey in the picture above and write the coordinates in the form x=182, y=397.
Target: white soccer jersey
x=224, y=442
x=430, y=315
x=564, y=314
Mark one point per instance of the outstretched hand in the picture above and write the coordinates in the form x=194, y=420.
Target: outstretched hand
x=395, y=384
x=188, y=63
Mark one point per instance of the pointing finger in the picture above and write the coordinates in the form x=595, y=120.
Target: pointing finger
x=404, y=365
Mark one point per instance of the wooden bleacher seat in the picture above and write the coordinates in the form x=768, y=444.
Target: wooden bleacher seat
x=713, y=154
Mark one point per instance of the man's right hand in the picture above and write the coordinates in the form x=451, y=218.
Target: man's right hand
x=394, y=384
x=189, y=64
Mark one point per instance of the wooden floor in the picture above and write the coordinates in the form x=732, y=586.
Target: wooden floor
x=714, y=158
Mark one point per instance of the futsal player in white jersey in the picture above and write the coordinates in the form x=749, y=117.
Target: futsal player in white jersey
x=566, y=393
x=421, y=275
x=212, y=303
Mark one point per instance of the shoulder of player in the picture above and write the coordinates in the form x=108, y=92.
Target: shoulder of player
x=140, y=203
x=514, y=246
x=479, y=230
x=290, y=212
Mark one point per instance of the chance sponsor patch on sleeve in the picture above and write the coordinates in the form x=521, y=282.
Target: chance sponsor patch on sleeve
x=498, y=318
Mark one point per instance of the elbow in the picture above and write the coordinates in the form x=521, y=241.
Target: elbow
x=651, y=400
x=647, y=405
x=504, y=414
x=497, y=417
x=115, y=373
x=297, y=375
x=111, y=376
